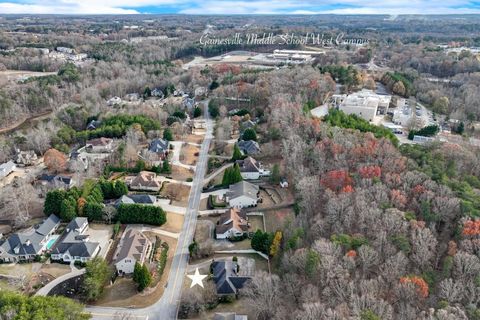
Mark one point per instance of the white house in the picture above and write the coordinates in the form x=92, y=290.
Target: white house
x=114, y=101
x=99, y=145
x=26, y=246
x=251, y=169
x=133, y=247
x=232, y=223
x=74, y=245
x=242, y=194
x=7, y=168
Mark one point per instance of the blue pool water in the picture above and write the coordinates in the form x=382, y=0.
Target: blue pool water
x=51, y=242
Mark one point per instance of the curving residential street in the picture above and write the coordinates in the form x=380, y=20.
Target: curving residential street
x=166, y=307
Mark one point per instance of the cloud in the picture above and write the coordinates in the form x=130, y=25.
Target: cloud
x=239, y=7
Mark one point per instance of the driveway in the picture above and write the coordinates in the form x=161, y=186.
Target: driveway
x=102, y=234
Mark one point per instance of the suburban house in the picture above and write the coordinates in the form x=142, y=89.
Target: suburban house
x=248, y=124
x=283, y=182
x=248, y=147
x=132, y=97
x=133, y=247
x=232, y=223
x=200, y=91
x=114, y=101
x=229, y=316
x=94, y=124
x=49, y=182
x=74, y=244
x=226, y=278
x=242, y=194
x=26, y=158
x=7, y=168
x=26, y=246
x=189, y=103
x=99, y=145
x=251, y=169
x=159, y=147
x=136, y=199
x=145, y=180
x=157, y=92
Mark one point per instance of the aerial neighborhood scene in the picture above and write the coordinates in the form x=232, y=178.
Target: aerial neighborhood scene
x=237, y=160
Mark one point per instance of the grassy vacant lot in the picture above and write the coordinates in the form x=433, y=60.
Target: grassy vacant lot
x=123, y=292
x=174, y=222
x=256, y=223
x=276, y=219
x=193, y=138
x=187, y=154
x=55, y=269
x=178, y=193
x=180, y=173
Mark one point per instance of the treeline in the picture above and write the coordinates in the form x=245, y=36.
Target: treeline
x=437, y=162
x=20, y=307
x=340, y=119
x=86, y=201
x=428, y=131
x=347, y=76
x=399, y=83
x=112, y=127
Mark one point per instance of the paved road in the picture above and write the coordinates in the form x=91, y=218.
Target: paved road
x=49, y=286
x=166, y=307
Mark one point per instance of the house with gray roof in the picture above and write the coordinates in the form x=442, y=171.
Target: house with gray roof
x=159, y=147
x=26, y=158
x=27, y=245
x=75, y=244
x=226, y=277
x=94, y=124
x=133, y=247
x=158, y=93
x=49, y=181
x=136, y=199
x=242, y=194
x=7, y=168
x=248, y=147
x=251, y=169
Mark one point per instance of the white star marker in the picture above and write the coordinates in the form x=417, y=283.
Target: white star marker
x=197, y=278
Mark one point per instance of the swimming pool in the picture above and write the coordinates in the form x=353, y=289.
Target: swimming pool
x=50, y=242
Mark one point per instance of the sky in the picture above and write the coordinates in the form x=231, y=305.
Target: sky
x=391, y=7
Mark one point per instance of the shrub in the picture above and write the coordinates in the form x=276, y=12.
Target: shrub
x=138, y=213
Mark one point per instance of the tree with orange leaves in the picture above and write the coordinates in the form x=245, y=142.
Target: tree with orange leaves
x=471, y=228
x=422, y=286
x=55, y=160
x=336, y=180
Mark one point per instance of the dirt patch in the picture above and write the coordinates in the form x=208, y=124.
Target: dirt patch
x=189, y=154
x=193, y=138
x=123, y=292
x=204, y=230
x=180, y=173
x=266, y=200
x=174, y=222
x=203, y=204
x=178, y=193
x=256, y=223
x=55, y=269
